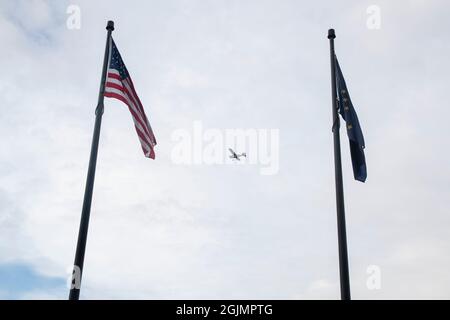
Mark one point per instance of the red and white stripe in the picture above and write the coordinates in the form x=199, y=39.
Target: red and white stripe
x=123, y=90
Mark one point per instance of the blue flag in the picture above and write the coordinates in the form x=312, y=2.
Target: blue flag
x=354, y=132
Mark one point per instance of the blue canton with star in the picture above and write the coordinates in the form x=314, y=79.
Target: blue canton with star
x=116, y=61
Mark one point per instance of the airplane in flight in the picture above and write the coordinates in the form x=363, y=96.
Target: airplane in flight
x=236, y=156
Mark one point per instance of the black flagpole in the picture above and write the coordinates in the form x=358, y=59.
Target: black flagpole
x=342, y=234
x=85, y=213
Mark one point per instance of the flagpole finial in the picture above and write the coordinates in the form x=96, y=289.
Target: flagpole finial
x=331, y=34
x=110, y=25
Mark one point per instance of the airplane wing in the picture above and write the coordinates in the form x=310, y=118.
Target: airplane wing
x=233, y=153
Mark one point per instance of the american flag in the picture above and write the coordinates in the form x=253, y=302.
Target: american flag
x=120, y=86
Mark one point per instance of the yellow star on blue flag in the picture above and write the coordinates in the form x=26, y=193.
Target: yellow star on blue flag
x=354, y=131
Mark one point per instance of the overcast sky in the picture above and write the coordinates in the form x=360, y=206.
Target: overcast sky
x=160, y=230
